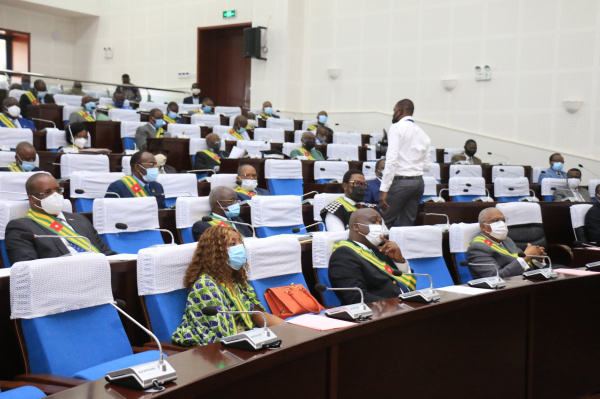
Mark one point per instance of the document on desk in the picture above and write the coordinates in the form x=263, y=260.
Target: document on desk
x=575, y=272
x=462, y=289
x=320, y=323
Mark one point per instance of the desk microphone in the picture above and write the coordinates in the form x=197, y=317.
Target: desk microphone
x=123, y=226
x=353, y=312
x=298, y=229
x=81, y=191
x=44, y=120
x=541, y=274
x=145, y=375
x=494, y=283
x=210, y=218
x=484, y=199
x=30, y=236
x=310, y=192
x=427, y=295
x=254, y=340
x=583, y=167
x=502, y=156
x=578, y=243
x=443, y=227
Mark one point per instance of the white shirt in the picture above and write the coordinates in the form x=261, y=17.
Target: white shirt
x=16, y=122
x=63, y=220
x=333, y=223
x=403, y=267
x=577, y=195
x=407, y=153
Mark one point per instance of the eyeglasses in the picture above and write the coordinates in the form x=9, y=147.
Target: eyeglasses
x=149, y=164
x=357, y=183
x=247, y=176
x=228, y=202
x=47, y=193
x=495, y=220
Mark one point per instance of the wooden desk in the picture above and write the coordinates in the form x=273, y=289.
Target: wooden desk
x=582, y=256
x=179, y=153
x=39, y=140
x=50, y=112
x=106, y=134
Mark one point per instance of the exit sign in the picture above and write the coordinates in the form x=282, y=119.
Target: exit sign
x=229, y=14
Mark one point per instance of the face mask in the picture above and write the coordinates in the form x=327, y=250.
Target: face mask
x=241, y=130
x=14, y=111
x=80, y=142
x=161, y=159
x=207, y=109
x=53, y=204
x=375, y=233
x=249, y=184
x=26, y=166
x=499, y=230
x=41, y=94
x=232, y=211
x=321, y=140
x=159, y=123
x=215, y=145
x=557, y=166
x=172, y=114
x=268, y=110
x=26, y=86
x=151, y=175
x=357, y=194
x=309, y=144
x=322, y=119
x=195, y=91
x=91, y=106
x=573, y=183
x=237, y=256
x=119, y=103
x=252, y=122
x=469, y=153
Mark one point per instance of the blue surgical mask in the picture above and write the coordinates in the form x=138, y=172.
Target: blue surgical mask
x=207, y=109
x=232, y=211
x=91, y=106
x=42, y=94
x=119, y=103
x=241, y=130
x=151, y=175
x=159, y=123
x=26, y=165
x=557, y=166
x=268, y=110
x=237, y=256
x=172, y=115
x=322, y=119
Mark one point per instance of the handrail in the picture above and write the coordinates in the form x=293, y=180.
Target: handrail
x=39, y=75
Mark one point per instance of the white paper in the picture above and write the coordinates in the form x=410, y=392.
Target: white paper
x=5, y=272
x=320, y=323
x=237, y=152
x=461, y=289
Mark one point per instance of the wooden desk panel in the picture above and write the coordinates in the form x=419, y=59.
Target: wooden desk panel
x=39, y=140
x=51, y=112
x=179, y=153
x=106, y=134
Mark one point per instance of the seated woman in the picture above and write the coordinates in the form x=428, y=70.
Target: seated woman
x=76, y=136
x=216, y=277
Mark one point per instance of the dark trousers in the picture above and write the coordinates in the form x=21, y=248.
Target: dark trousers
x=403, y=198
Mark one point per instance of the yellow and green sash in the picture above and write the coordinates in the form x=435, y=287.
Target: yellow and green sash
x=15, y=167
x=110, y=106
x=31, y=97
x=221, y=222
x=495, y=247
x=169, y=120
x=306, y=153
x=6, y=121
x=312, y=127
x=197, y=111
x=347, y=206
x=86, y=116
x=265, y=116
x=134, y=187
x=409, y=282
x=235, y=134
x=212, y=155
x=239, y=305
x=56, y=227
x=160, y=132
x=241, y=190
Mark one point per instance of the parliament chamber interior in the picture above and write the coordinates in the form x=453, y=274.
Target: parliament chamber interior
x=299, y=198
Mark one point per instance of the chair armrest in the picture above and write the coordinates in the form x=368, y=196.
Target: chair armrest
x=51, y=379
x=560, y=254
x=47, y=389
x=167, y=346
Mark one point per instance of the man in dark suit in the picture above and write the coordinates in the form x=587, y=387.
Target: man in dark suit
x=573, y=192
x=592, y=220
x=37, y=96
x=141, y=182
x=25, y=155
x=372, y=194
x=367, y=261
x=211, y=157
x=247, y=181
x=195, y=97
x=225, y=212
x=45, y=217
x=11, y=117
x=153, y=129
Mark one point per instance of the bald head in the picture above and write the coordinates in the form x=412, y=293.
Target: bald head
x=359, y=221
x=406, y=105
x=39, y=182
x=25, y=151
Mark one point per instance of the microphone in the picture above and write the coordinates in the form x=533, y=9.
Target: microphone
x=30, y=236
x=427, y=295
x=444, y=227
x=494, y=283
x=438, y=198
x=484, y=199
x=583, y=167
x=254, y=340
x=44, y=120
x=541, y=274
x=502, y=156
x=81, y=191
x=353, y=312
x=123, y=226
x=298, y=229
x=145, y=375
x=532, y=198
x=310, y=192
x=210, y=218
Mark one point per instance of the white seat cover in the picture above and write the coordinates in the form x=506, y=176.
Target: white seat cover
x=10, y=137
x=94, y=184
x=273, y=256
x=519, y=213
x=149, y=105
x=189, y=210
x=137, y=213
x=434, y=171
x=12, y=183
x=280, y=123
x=117, y=114
x=8, y=157
x=161, y=269
x=548, y=185
x=289, y=147
x=231, y=112
x=465, y=171
x=180, y=130
x=507, y=171
x=322, y=247
x=330, y=169
x=411, y=239
x=347, y=152
x=70, y=163
x=271, y=135
x=578, y=213
x=461, y=235
x=347, y=138
x=283, y=169
x=205, y=120
x=449, y=152
x=223, y=179
x=466, y=186
x=128, y=128
x=511, y=187
x=179, y=184
x=276, y=210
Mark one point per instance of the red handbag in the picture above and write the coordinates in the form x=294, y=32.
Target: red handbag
x=292, y=300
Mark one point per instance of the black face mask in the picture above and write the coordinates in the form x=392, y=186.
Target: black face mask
x=357, y=194
x=309, y=144
x=215, y=146
x=470, y=153
x=395, y=120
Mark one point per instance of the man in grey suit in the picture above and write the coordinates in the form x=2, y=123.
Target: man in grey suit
x=573, y=192
x=153, y=129
x=494, y=247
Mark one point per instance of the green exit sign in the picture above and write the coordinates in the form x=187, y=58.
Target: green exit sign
x=229, y=14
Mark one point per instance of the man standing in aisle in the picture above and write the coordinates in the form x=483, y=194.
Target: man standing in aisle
x=406, y=159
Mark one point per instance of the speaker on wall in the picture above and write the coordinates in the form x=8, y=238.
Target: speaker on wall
x=252, y=44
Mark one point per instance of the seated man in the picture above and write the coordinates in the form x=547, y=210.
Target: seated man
x=157, y=148
x=573, y=192
x=130, y=92
x=37, y=96
x=211, y=157
x=592, y=220
x=208, y=107
x=24, y=159
x=11, y=116
x=336, y=214
x=557, y=162
x=141, y=182
x=494, y=247
x=195, y=97
x=367, y=261
x=45, y=217
x=77, y=89
x=247, y=180
x=267, y=111
x=225, y=209
x=308, y=149
x=238, y=130
x=151, y=130
x=372, y=194
x=468, y=155
x=88, y=114
x=321, y=121
x=119, y=102
x=322, y=135
x=172, y=115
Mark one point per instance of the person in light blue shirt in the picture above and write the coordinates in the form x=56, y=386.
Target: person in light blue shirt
x=372, y=194
x=557, y=163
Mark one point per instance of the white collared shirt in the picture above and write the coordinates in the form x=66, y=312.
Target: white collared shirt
x=407, y=153
x=577, y=195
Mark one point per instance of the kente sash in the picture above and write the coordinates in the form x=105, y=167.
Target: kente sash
x=15, y=167
x=86, y=116
x=312, y=127
x=239, y=305
x=54, y=226
x=347, y=206
x=31, y=97
x=265, y=116
x=133, y=186
x=235, y=134
x=169, y=120
x=221, y=222
x=197, y=111
x=409, y=282
x=241, y=190
x=110, y=106
x=212, y=155
x=160, y=132
x=494, y=246
x=306, y=153
x=6, y=121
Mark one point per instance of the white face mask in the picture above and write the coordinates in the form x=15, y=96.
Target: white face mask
x=14, y=111
x=573, y=183
x=249, y=184
x=375, y=233
x=53, y=204
x=195, y=91
x=161, y=160
x=80, y=142
x=499, y=230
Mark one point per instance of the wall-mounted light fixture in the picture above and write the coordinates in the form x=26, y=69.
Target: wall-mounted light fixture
x=449, y=84
x=572, y=106
x=108, y=52
x=334, y=73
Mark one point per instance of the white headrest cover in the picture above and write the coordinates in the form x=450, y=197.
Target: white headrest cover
x=434, y=171
x=197, y=145
x=322, y=247
x=189, y=210
x=592, y=186
x=276, y=210
x=161, y=269
x=430, y=185
x=10, y=137
x=347, y=138
x=370, y=171
x=207, y=120
x=283, y=169
x=137, y=213
x=461, y=235
x=274, y=135
x=342, y=151
x=418, y=241
x=45, y=287
x=273, y=256
x=223, y=179
x=128, y=128
x=521, y=212
x=10, y=210
x=14, y=182
x=181, y=130
x=70, y=163
x=94, y=184
x=548, y=184
x=512, y=171
x=465, y=171
x=578, y=213
x=332, y=169
x=472, y=185
x=253, y=146
x=321, y=201
x=179, y=184
x=511, y=186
